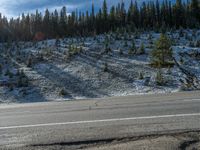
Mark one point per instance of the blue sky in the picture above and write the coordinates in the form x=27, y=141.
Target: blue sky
x=13, y=8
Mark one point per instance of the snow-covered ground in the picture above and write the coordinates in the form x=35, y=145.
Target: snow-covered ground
x=53, y=72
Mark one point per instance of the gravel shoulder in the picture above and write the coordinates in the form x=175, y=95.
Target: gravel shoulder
x=168, y=141
x=186, y=141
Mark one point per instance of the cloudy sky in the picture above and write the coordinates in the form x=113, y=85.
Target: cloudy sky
x=13, y=8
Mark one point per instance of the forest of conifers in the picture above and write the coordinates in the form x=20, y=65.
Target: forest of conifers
x=146, y=16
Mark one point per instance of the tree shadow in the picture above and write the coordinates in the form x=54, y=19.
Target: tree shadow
x=30, y=94
x=116, y=71
x=74, y=85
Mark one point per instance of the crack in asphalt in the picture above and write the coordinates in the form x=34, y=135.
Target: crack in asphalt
x=186, y=144
x=98, y=142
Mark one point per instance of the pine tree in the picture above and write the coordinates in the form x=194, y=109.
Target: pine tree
x=112, y=18
x=141, y=76
x=149, y=15
x=195, y=9
x=105, y=16
x=63, y=21
x=122, y=14
x=142, y=49
x=55, y=24
x=133, y=49
x=136, y=15
x=130, y=13
x=162, y=53
x=93, y=18
x=158, y=12
x=105, y=10
x=46, y=23
x=178, y=14
x=105, y=69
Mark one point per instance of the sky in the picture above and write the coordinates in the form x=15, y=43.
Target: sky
x=14, y=8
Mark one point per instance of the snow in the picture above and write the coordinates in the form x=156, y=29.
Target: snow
x=82, y=76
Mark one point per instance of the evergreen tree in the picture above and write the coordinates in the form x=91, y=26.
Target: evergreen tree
x=105, y=10
x=149, y=15
x=55, y=25
x=112, y=18
x=93, y=18
x=195, y=9
x=162, y=53
x=178, y=14
x=46, y=23
x=142, y=49
x=133, y=49
x=63, y=22
x=105, y=16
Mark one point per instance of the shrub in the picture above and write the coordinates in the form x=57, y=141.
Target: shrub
x=120, y=51
x=63, y=92
x=191, y=44
x=105, y=67
x=11, y=88
x=10, y=75
x=197, y=43
x=169, y=70
x=181, y=33
x=147, y=81
x=40, y=57
x=150, y=37
x=107, y=49
x=125, y=43
x=29, y=62
x=22, y=80
x=74, y=50
x=83, y=43
x=185, y=86
x=132, y=50
x=107, y=45
x=81, y=49
x=7, y=72
x=57, y=42
x=17, y=72
x=181, y=60
x=142, y=49
x=141, y=76
x=159, y=78
x=1, y=68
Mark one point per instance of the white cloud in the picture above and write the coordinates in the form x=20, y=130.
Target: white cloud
x=13, y=8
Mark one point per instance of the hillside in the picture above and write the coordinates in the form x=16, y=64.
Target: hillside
x=94, y=67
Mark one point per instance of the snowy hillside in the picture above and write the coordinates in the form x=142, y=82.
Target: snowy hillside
x=94, y=67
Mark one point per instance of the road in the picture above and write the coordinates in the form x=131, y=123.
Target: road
x=86, y=122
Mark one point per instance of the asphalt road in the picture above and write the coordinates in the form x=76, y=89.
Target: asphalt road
x=85, y=122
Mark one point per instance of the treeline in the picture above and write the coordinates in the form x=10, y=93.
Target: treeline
x=150, y=15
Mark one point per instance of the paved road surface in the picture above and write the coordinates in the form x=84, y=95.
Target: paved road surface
x=75, y=123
